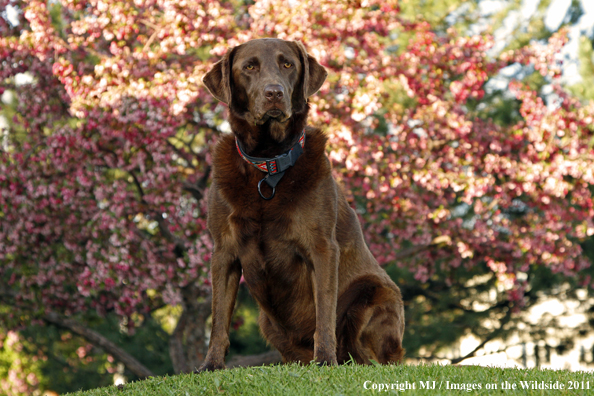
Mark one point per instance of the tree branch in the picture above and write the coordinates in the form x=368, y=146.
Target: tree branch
x=180, y=153
x=492, y=335
x=411, y=251
x=179, y=244
x=197, y=189
x=271, y=357
x=98, y=340
x=474, y=351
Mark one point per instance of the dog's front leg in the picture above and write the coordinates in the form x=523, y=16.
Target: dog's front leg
x=225, y=272
x=325, y=277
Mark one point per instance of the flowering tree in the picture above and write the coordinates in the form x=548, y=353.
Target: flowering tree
x=105, y=161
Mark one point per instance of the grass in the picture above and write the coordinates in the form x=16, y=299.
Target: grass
x=352, y=379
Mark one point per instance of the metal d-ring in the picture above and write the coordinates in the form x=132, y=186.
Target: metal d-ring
x=259, y=191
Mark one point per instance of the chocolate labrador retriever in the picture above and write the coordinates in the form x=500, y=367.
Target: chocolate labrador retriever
x=278, y=217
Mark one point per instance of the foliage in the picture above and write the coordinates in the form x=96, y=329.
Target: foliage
x=84, y=195
x=19, y=371
x=345, y=380
x=105, y=162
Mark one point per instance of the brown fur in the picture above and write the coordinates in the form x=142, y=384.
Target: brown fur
x=322, y=295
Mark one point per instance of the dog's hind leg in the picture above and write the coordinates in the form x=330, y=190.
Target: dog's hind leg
x=371, y=323
x=383, y=335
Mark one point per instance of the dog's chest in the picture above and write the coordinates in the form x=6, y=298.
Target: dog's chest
x=275, y=266
x=266, y=245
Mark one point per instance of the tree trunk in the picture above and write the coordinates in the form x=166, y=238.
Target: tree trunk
x=187, y=345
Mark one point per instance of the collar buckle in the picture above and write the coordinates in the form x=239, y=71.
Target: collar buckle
x=284, y=161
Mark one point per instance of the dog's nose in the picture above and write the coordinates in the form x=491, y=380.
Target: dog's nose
x=274, y=92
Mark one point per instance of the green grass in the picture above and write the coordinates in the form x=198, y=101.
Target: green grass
x=350, y=380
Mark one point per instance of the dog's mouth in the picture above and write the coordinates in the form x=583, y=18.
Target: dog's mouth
x=274, y=113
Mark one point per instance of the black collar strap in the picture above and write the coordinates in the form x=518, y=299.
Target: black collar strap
x=275, y=167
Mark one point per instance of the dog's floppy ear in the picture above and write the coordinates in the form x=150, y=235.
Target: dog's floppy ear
x=218, y=79
x=313, y=75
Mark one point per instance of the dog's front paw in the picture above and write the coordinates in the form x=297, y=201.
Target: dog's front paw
x=209, y=366
x=323, y=359
x=322, y=363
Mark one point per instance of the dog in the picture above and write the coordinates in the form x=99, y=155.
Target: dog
x=278, y=218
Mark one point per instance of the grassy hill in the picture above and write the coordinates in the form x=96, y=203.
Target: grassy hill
x=360, y=380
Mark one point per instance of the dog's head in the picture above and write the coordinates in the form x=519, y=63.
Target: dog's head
x=266, y=81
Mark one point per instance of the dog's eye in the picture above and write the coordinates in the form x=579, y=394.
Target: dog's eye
x=288, y=65
x=249, y=67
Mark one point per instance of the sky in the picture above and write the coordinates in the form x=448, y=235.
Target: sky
x=555, y=15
